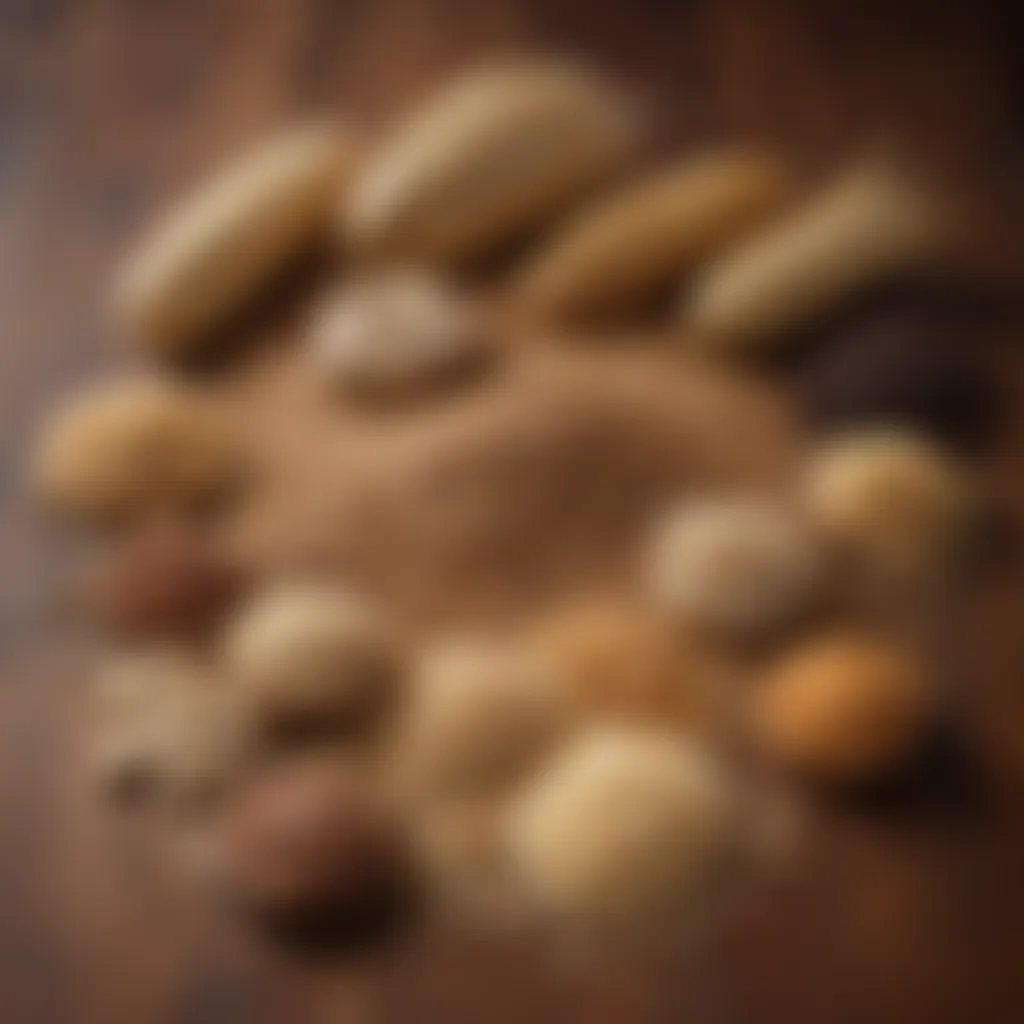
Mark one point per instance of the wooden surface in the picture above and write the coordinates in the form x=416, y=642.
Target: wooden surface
x=913, y=915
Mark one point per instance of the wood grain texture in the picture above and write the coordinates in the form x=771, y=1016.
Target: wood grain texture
x=109, y=107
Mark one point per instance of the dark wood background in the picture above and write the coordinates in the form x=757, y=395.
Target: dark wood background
x=107, y=107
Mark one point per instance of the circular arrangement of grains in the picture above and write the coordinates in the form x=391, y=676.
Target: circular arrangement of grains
x=518, y=587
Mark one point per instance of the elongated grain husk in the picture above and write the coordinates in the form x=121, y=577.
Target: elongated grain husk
x=496, y=154
x=217, y=249
x=648, y=235
x=872, y=223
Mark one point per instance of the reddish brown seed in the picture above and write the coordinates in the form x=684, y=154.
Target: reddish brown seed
x=166, y=582
x=308, y=841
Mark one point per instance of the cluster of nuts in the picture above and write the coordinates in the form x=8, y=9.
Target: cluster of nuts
x=333, y=767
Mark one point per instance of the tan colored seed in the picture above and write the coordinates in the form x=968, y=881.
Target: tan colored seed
x=893, y=503
x=397, y=334
x=480, y=717
x=627, y=833
x=216, y=250
x=494, y=155
x=869, y=224
x=311, y=654
x=649, y=235
x=134, y=447
x=734, y=566
x=621, y=661
x=166, y=725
